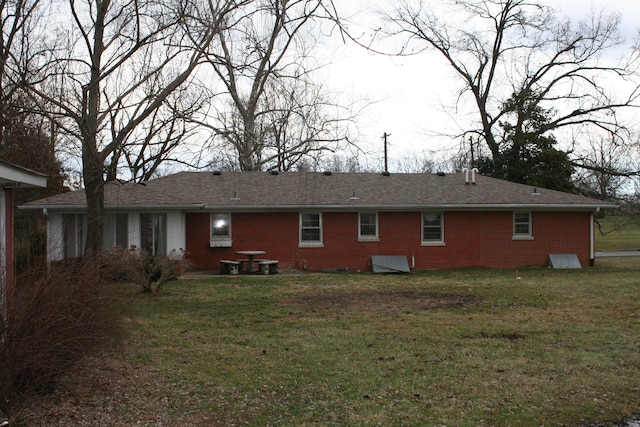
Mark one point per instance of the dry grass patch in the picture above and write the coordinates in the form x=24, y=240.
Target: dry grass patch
x=381, y=300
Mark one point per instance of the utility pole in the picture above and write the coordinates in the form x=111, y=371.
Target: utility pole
x=472, y=153
x=384, y=138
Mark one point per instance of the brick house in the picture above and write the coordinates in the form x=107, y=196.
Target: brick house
x=323, y=220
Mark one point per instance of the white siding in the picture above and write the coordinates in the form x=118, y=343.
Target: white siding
x=55, y=237
x=134, y=230
x=176, y=231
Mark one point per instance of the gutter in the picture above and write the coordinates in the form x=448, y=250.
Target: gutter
x=460, y=207
x=344, y=208
x=109, y=208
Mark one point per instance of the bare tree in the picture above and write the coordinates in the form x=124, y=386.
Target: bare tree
x=20, y=21
x=114, y=72
x=160, y=139
x=273, y=114
x=18, y=40
x=24, y=138
x=301, y=121
x=414, y=163
x=606, y=164
x=520, y=50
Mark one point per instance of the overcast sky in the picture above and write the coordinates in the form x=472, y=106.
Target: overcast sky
x=411, y=92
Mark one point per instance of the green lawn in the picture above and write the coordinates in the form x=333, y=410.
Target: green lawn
x=465, y=347
x=618, y=233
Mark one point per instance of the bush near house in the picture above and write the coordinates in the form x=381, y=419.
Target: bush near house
x=54, y=316
x=142, y=268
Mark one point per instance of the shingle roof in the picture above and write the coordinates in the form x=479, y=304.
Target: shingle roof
x=314, y=190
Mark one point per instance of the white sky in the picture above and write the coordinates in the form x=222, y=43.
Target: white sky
x=411, y=92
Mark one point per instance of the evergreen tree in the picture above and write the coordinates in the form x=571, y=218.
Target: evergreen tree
x=527, y=151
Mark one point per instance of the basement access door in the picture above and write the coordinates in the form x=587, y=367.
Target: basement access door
x=389, y=264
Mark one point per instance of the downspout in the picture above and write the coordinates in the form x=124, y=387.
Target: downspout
x=7, y=275
x=3, y=282
x=592, y=239
x=9, y=247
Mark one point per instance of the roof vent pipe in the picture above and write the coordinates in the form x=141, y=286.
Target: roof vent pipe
x=327, y=173
x=386, y=173
x=217, y=172
x=274, y=172
x=466, y=175
x=473, y=175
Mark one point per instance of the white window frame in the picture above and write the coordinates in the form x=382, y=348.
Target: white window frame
x=159, y=231
x=74, y=224
x=432, y=242
x=519, y=235
x=112, y=231
x=219, y=241
x=311, y=243
x=368, y=237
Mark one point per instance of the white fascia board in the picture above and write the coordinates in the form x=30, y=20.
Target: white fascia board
x=132, y=208
x=109, y=208
x=73, y=208
x=16, y=176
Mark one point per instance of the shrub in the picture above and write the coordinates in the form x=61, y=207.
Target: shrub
x=148, y=271
x=53, y=318
x=31, y=250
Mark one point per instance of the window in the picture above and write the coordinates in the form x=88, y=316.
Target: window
x=74, y=237
x=220, y=230
x=311, y=229
x=116, y=231
x=153, y=233
x=522, y=225
x=432, y=227
x=368, y=226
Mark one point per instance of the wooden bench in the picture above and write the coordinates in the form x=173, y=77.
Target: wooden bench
x=228, y=266
x=267, y=266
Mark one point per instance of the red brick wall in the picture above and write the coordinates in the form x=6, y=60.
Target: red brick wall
x=472, y=239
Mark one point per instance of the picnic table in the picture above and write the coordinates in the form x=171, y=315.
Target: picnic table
x=250, y=255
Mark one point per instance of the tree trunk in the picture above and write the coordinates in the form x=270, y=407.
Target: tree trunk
x=249, y=144
x=94, y=188
x=92, y=161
